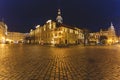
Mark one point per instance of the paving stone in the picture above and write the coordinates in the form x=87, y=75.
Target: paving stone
x=28, y=62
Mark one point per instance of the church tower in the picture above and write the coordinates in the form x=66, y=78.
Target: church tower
x=112, y=27
x=112, y=30
x=59, y=18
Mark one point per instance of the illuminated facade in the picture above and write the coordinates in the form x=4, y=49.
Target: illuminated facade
x=105, y=36
x=94, y=37
x=15, y=37
x=56, y=33
x=3, y=32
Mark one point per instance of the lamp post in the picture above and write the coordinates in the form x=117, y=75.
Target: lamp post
x=86, y=35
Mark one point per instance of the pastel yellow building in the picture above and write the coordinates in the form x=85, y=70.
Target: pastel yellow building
x=56, y=33
x=15, y=37
x=3, y=32
x=105, y=36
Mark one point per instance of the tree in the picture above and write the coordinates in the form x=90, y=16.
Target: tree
x=86, y=36
x=103, y=39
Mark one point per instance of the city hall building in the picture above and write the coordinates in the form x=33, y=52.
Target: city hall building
x=55, y=32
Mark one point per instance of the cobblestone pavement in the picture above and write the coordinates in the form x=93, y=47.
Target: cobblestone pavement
x=34, y=62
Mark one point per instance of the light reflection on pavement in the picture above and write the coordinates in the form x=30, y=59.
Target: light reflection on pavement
x=35, y=62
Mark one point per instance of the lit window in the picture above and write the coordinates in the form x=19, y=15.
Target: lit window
x=44, y=29
x=71, y=31
x=50, y=26
x=76, y=32
x=54, y=25
x=65, y=30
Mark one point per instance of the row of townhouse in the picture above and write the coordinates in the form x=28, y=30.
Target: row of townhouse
x=10, y=37
x=15, y=37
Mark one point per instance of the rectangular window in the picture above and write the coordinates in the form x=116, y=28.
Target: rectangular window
x=71, y=31
x=44, y=29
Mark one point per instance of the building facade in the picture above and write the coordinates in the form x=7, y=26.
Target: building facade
x=104, y=36
x=56, y=33
x=3, y=32
x=15, y=37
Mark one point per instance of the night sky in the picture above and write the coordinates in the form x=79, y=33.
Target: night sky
x=22, y=15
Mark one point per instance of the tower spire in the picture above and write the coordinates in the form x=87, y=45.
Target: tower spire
x=111, y=24
x=59, y=12
x=111, y=28
x=59, y=17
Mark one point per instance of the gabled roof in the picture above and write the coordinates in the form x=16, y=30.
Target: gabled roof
x=67, y=26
